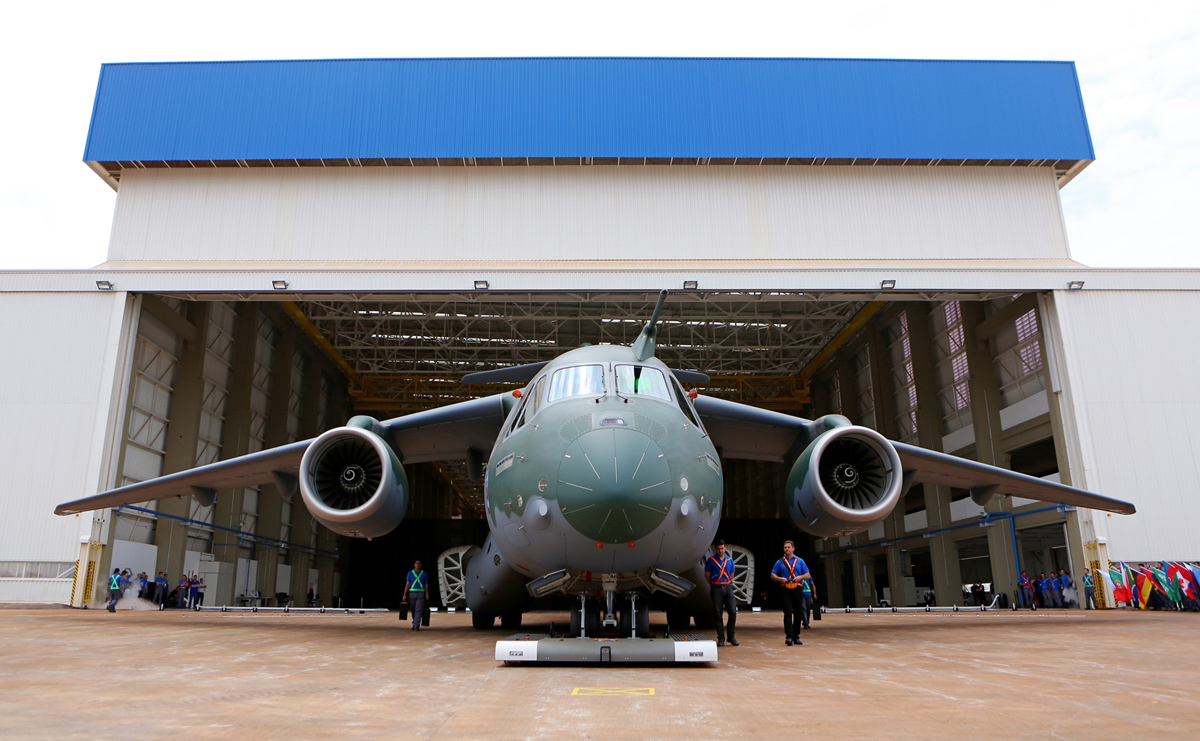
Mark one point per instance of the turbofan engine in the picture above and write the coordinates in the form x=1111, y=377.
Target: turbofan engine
x=353, y=483
x=845, y=481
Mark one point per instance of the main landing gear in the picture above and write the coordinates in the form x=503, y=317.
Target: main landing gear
x=595, y=618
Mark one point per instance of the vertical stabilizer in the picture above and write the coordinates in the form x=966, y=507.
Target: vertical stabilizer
x=643, y=346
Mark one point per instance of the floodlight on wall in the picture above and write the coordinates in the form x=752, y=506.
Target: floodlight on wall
x=104, y=285
x=482, y=285
x=1074, y=285
x=690, y=285
x=887, y=285
x=279, y=285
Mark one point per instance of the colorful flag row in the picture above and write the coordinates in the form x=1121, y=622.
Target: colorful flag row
x=1134, y=585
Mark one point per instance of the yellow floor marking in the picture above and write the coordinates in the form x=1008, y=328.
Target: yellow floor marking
x=613, y=691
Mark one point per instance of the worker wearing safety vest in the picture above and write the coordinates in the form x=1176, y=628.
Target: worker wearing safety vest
x=791, y=572
x=1026, y=585
x=114, y=590
x=416, y=593
x=719, y=570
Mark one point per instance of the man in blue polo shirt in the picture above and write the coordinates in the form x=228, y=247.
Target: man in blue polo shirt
x=1056, y=589
x=791, y=572
x=1044, y=591
x=719, y=570
x=416, y=593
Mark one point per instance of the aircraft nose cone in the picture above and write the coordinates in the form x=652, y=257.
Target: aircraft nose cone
x=614, y=485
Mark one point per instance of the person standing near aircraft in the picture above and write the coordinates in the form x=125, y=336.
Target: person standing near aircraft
x=808, y=592
x=1026, y=585
x=114, y=590
x=160, y=589
x=1089, y=591
x=791, y=571
x=1065, y=583
x=416, y=593
x=719, y=570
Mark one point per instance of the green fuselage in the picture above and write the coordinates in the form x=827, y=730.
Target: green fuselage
x=602, y=468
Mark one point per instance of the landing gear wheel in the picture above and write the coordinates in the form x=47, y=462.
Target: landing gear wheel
x=592, y=619
x=479, y=621
x=510, y=621
x=643, y=623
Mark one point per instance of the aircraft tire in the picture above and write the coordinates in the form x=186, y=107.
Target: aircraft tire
x=511, y=621
x=643, y=623
x=479, y=621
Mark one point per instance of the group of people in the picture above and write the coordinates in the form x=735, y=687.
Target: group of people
x=790, y=573
x=189, y=594
x=1055, y=590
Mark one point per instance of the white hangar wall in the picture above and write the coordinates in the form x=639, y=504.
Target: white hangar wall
x=601, y=212
x=58, y=389
x=1130, y=381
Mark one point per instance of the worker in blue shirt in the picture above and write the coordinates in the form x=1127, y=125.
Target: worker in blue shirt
x=416, y=593
x=791, y=573
x=1026, y=585
x=1066, y=582
x=1056, y=589
x=160, y=589
x=114, y=590
x=719, y=570
x=1044, y=590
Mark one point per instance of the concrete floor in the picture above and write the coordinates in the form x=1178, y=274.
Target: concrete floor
x=77, y=673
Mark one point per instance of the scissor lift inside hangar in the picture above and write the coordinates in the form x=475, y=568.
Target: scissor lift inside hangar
x=544, y=649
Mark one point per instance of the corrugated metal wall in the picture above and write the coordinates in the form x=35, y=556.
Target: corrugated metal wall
x=585, y=213
x=1131, y=362
x=56, y=386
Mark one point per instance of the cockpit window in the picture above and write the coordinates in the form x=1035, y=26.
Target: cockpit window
x=641, y=380
x=580, y=380
x=685, y=405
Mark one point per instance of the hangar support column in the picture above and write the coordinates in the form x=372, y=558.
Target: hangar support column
x=302, y=520
x=270, y=500
x=985, y=419
x=946, y=573
x=183, y=431
x=235, y=438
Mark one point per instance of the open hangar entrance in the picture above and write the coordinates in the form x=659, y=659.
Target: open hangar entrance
x=219, y=375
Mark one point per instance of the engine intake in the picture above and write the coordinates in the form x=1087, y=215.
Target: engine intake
x=353, y=483
x=844, y=482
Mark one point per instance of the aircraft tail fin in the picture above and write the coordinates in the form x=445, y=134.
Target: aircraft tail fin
x=643, y=346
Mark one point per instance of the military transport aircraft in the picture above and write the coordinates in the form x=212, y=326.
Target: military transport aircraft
x=602, y=483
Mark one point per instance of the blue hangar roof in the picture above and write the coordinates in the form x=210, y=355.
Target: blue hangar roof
x=769, y=110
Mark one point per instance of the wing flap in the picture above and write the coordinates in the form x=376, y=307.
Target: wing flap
x=928, y=466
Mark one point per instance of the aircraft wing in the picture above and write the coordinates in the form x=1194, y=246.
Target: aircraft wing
x=743, y=431
x=931, y=467
x=446, y=433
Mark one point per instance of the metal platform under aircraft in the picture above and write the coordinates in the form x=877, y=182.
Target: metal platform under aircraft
x=544, y=649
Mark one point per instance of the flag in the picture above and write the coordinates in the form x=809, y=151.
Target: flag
x=1116, y=580
x=1195, y=578
x=1145, y=585
x=1131, y=582
x=1161, y=582
x=1186, y=579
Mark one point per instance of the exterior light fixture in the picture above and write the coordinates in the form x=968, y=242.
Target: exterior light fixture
x=690, y=285
x=887, y=285
x=104, y=285
x=1075, y=285
x=482, y=285
x=279, y=285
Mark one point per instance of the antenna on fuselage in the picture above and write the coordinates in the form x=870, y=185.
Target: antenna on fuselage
x=643, y=346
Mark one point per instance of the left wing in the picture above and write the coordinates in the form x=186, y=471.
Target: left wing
x=454, y=432
x=743, y=431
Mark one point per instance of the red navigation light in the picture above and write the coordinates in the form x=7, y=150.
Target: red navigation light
x=517, y=393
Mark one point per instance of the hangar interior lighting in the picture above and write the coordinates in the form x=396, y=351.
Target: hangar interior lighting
x=482, y=285
x=690, y=285
x=1075, y=285
x=887, y=285
x=104, y=285
x=279, y=285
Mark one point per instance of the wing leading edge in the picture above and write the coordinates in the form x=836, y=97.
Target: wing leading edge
x=453, y=432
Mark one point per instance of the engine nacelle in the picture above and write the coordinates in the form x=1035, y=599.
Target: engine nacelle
x=353, y=483
x=846, y=480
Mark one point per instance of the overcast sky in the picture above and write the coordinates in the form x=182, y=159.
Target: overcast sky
x=1139, y=66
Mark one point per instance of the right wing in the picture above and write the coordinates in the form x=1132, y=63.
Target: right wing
x=447, y=433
